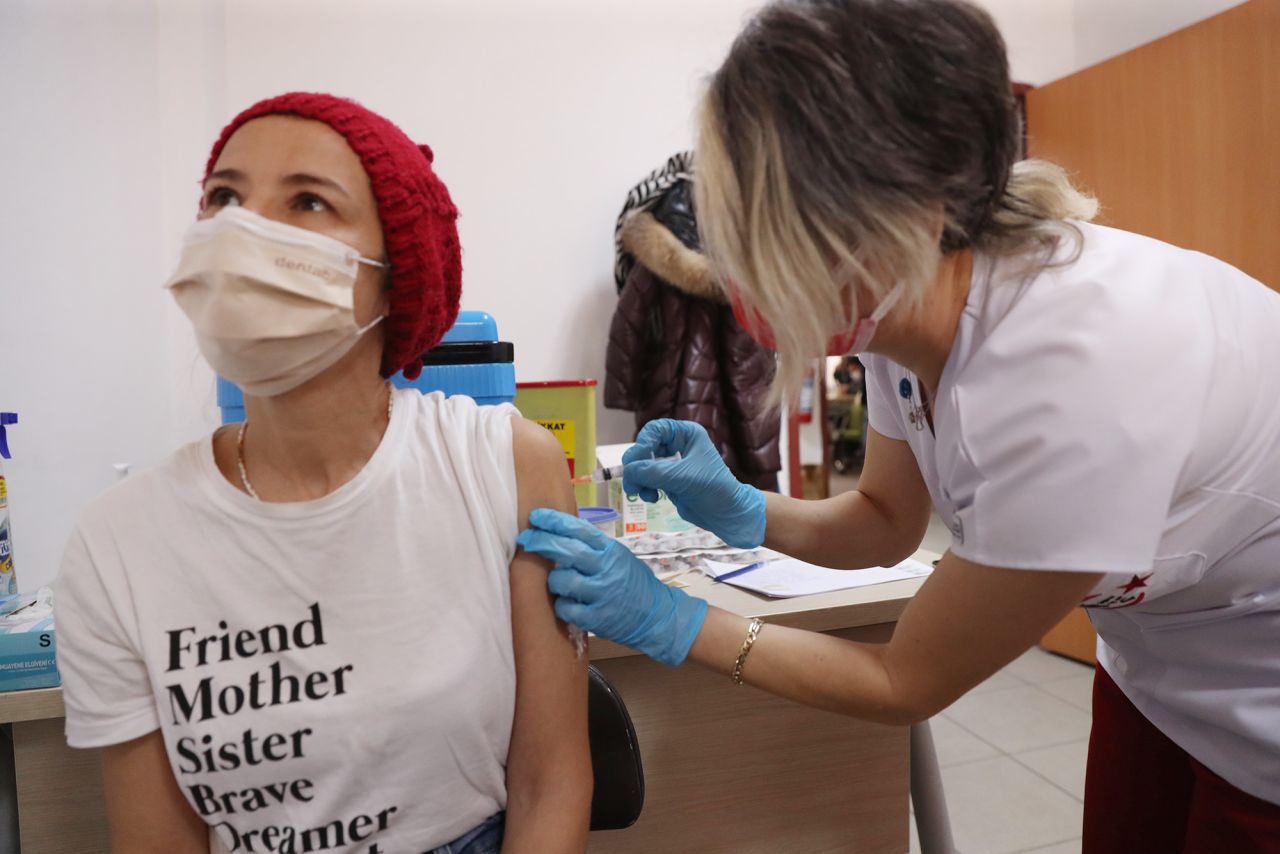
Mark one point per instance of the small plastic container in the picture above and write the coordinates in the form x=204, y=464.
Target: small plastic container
x=604, y=518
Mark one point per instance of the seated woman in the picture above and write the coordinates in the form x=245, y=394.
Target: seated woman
x=313, y=632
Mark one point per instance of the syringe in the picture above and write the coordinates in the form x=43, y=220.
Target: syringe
x=615, y=472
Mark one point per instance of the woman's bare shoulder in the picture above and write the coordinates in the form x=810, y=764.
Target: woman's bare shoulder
x=542, y=476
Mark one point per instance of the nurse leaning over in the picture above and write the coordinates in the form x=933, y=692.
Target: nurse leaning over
x=1095, y=414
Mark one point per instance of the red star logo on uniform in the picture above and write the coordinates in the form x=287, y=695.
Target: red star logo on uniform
x=1135, y=583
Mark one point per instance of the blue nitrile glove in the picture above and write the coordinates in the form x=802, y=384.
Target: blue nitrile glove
x=603, y=588
x=700, y=485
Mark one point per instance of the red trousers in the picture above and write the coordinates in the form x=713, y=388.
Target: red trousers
x=1143, y=793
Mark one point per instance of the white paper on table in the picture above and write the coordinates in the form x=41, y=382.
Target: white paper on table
x=789, y=577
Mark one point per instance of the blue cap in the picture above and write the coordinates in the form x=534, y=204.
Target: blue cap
x=597, y=515
x=6, y=418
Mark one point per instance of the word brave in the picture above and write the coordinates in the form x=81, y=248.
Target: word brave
x=251, y=799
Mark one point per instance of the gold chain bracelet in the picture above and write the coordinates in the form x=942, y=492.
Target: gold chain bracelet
x=753, y=631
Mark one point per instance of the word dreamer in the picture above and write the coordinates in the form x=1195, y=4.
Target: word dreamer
x=285, y=839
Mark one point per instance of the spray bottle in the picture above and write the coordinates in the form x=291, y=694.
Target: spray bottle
x=8, y=578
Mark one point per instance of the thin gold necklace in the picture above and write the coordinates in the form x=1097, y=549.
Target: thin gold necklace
x=244, y=475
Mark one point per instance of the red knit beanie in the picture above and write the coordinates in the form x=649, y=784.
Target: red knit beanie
x=418, y=220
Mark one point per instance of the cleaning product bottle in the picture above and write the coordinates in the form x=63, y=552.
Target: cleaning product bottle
x=8, y=578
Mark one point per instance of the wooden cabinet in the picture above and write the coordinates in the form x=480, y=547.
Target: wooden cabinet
x=1074, y=637
x=1179, y=139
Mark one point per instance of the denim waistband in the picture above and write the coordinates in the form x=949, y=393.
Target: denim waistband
x=484, y=838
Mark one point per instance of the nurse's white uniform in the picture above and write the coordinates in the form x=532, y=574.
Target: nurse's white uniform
x=1120, y=413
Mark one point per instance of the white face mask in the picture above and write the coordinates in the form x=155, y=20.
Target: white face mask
x=271, y=303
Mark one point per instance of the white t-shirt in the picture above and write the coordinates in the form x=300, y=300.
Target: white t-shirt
x=329, y=676
x=1121, y=414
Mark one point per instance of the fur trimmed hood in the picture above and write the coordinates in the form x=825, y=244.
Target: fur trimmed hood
x=654, y=246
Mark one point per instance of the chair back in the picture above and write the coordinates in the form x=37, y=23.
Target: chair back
x=615, y=757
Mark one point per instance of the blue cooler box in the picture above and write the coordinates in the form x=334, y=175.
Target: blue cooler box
x=469, y=360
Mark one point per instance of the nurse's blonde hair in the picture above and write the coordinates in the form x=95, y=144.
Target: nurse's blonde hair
x=835, y=142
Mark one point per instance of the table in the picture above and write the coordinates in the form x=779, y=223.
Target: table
x=727, y=768
x=60, y=805
x=732, y=770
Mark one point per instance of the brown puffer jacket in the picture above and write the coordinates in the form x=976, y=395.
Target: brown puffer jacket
x=675, y=351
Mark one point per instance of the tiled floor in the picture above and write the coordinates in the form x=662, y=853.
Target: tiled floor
x=1012, y=753
x=1013, y=750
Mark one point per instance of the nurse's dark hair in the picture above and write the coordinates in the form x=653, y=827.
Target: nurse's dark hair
x=855, y=141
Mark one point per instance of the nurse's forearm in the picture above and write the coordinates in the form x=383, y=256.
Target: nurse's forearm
x=849, y=531
x=965, y=623
x=811, y=668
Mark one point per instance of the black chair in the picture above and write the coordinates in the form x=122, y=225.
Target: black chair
x=615, y=757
